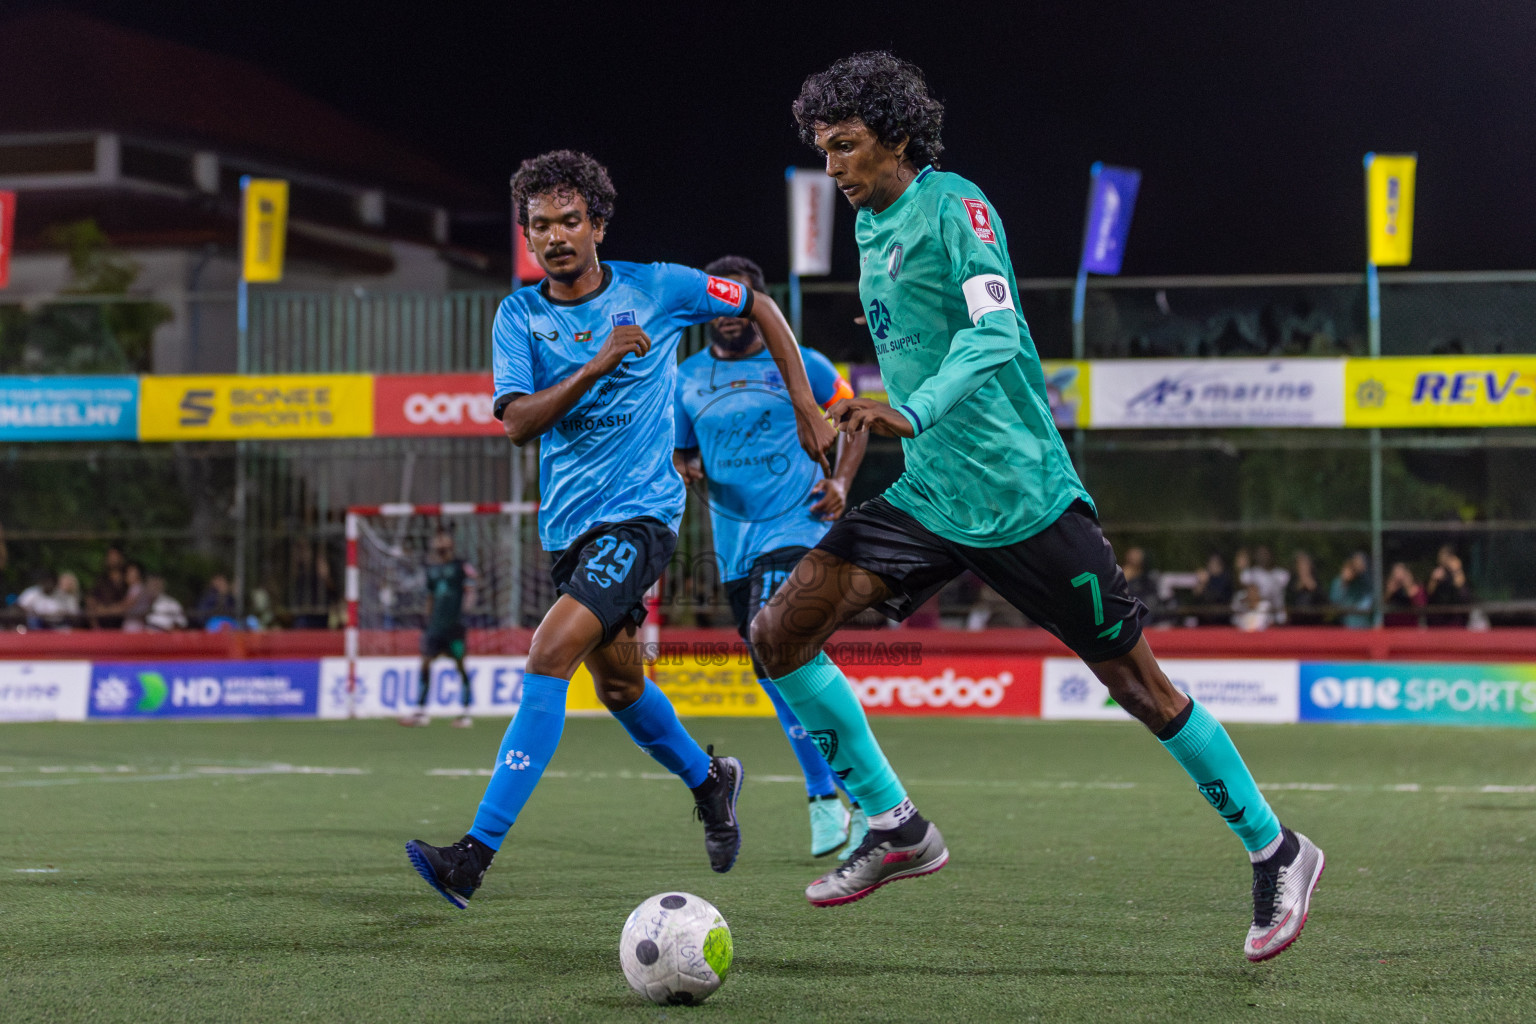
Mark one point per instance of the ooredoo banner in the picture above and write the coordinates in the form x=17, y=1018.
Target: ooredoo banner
x=1481, y=693
x=204, y=689
x=1233, y=691
x=1218, y=393
x=959, y=685
x=434, y=405
x=43, y=691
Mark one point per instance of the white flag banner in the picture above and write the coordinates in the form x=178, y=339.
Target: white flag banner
x=1217, y=393
x=811, y=194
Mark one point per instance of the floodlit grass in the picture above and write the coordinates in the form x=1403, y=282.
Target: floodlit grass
x=172, y=874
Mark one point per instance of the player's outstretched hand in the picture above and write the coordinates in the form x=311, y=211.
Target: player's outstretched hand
x=855, y=414
x=834, y=498
x=817, y=437
x=623, y=341
x=690, y=467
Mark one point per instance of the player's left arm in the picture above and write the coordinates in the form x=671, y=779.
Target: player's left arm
x=829, y=387
x=816, y=434
x=979, y=272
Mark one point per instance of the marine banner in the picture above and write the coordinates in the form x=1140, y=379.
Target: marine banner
x=1440, y=391
x=1217, y=393
x=43, y=691
x=69, y=408
x=250, y=407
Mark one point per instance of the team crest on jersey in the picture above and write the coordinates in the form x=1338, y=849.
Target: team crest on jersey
x=997, y=291
x=724, y=290
x=981, y=220
x=893, y=264
x=624, y=318
x=583, y=336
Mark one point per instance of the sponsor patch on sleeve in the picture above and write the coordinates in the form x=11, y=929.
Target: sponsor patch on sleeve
x=725, y=290
x=986, y=293
x=981, y=220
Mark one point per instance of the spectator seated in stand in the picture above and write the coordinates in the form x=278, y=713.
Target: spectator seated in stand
x=152, y=610
x=1403, y=599
x=1350, y=592
x=216, y=608
x=1212, y=596
x=1269, y=578
x=1304, y=597
x=104, y=604
x=53, y=602
x=1448, y=588
x=1251, y=610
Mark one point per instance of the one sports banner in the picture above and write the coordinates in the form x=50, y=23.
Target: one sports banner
x=238, y=408
x=1111, y=201
x=811, y=195
x=7, y=232
x=1481, y=693
x=69, y=408
x=263, y=228
x=1441, y=391
x=1217, y=393
x=434, y=405
x=1389, y=207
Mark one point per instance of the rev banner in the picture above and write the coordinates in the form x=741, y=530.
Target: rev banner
x=1441, y=391
x=1389, y=207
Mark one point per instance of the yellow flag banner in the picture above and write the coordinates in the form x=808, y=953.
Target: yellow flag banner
x=1440, y=391
x=241, y=408
x=263, y=229
x=1389, y=207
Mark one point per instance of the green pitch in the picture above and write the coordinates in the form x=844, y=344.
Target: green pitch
x=189, y=872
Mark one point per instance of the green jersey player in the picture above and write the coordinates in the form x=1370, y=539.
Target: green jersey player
x=988, y=487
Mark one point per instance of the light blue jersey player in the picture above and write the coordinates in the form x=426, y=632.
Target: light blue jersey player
x=769, y=502
x=586, y=364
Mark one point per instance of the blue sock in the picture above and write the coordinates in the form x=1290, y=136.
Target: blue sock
x=819, y=778
x=825, y=704
x=1205, y=750
x=653, y=725
x=529, y=743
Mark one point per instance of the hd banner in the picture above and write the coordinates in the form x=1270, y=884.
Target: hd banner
x=1441, y=391
x=255, y=407
x=205, y=689
x=1217, y=393
x=69, y=408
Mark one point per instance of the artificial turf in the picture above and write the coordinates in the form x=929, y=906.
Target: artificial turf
x=178, y=872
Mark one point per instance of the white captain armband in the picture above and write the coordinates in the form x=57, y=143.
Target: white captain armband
x=987, y=293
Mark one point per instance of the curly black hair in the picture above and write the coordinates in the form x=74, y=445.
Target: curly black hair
x=748, y=269
x=564, y=171
x=887, y=93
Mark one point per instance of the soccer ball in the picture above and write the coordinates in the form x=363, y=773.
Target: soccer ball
x=675, y=948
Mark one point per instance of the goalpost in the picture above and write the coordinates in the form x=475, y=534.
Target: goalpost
x=508, y=589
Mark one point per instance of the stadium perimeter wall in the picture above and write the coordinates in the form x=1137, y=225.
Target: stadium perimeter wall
x=1300, y=675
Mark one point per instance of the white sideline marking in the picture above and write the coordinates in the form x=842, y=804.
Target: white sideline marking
x=127, y=773
x=35, y=871
x=1309, y=787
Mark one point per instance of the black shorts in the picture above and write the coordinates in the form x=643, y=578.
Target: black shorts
x=448, y=642
x=1064, y=577
x=611, y=566
x=748, y=594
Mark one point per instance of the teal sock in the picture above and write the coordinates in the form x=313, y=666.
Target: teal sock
x=825, y=703
x=1199, y=743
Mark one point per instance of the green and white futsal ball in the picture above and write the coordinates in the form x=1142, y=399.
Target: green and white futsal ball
x=675, y=948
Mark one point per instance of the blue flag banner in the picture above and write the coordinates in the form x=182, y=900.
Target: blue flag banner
x=1109, y=217
x=69, y=408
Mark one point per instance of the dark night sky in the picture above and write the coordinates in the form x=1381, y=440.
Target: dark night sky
x=1248, y=120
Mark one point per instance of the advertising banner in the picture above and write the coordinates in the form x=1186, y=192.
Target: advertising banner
x=811, y=195
x=950, y=685
x=1389, y=207
x=69, y=408
x=263, y=228
x=43, y=691
x=1111, y=202
x=1440, y=391
x=1480, y=693
x=204, y=689
x=1067, y=385
x=7, y=232
x=434, y=405
x=250, y=407
x=1218, y=393
x=390, y=687
x=1233, y=691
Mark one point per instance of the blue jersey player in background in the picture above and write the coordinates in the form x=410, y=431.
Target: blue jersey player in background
x=586, y=364
x=769, y=502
